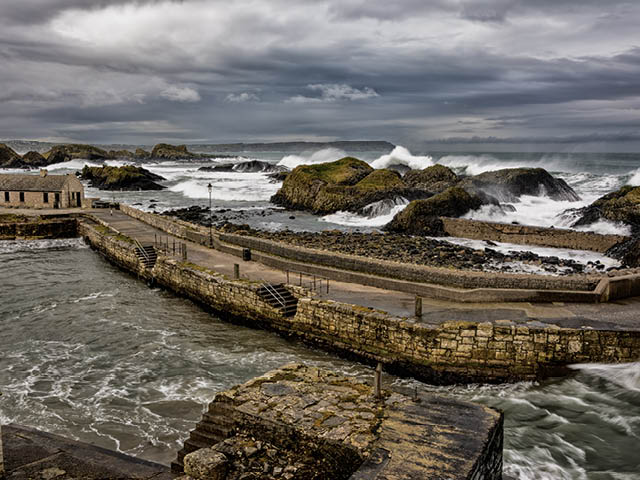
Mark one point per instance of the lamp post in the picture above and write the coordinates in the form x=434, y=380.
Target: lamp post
x=209, y=187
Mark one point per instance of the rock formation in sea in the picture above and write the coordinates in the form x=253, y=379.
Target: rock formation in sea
x=127, y=177
x=350, y=184
x=510, y=183
x=422, y=217
x=250, y=166
x=9, y=158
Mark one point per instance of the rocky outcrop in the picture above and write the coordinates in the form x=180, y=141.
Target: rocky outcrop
x=65, y=153
x=620, y=206
x=508, y=184
x=251, y=166
x=422, y=217
x=9, y=158
x=127, y=177
x=305, y=183
x=34, y=159
x=141, y=154
x=348, y=184
x=435, y=179
x=172, y=152
x=122, y=154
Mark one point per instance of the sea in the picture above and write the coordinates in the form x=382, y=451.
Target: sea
x=90, y=353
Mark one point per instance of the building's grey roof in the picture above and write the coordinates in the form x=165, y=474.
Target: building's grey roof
x=32, y=183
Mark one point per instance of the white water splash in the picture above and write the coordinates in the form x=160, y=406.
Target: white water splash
x=320, y=156
x=402, y=156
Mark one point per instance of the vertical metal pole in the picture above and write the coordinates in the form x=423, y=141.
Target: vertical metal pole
x=287, y=277
x=314, y=283
x=174, y=246
x=236, y=271
x=155, y=239
x=377, y=384
x=327, y=285
x=300, y=278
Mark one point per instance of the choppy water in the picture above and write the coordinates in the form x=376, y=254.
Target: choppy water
x=89, y=352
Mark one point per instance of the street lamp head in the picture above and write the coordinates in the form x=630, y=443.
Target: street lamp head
x=209, y=187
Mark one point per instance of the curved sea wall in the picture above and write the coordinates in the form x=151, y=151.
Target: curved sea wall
x=450, y=352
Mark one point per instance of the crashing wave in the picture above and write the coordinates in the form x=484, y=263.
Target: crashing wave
x=321, y=156
x=402, y=156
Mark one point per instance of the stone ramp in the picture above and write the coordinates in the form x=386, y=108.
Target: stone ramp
x=31, y=453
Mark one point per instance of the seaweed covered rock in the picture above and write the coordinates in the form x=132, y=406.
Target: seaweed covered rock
x=172, y=152
x=250, y=166
x=620, y=206
x=435, y=179
x=65, y=153
x=141, y=154
x=127, y=177
x=9, y=158
x=510, y=183
x=302, y=186
x=122, y=154
x=422, y=217
x=34, y=159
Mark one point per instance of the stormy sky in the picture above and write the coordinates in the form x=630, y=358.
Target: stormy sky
x=561, y=72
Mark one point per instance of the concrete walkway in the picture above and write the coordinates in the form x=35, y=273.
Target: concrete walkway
x=623, y=315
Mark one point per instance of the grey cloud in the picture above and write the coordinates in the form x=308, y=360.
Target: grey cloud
x=350, y=69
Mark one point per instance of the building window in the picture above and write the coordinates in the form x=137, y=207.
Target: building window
x=6, y=197
x=45, y=197
x=22, y=196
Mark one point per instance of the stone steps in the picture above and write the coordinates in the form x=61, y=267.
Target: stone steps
x=278, y=297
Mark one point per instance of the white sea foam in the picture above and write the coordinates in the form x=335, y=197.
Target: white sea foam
x=402, y=156
x=634, y=179
x=79, y=164
x=376, y=214
x=580, y=256
x=228, y=187
x=320, y=156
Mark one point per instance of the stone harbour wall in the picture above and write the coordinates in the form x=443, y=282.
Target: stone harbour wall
x=437, y=283
x=529, y=235
x=450, y=352
x=37, y=229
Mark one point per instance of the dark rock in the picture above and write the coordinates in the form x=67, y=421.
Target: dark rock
x=435, y=179
x=173, y=152
x=34, y=159
x=421, y=217
x=122, y=154
x=141, y=154
x=67, y=152
x=620, y=206
x=127, y=177
x=252, y=166
x=628, y=252
x=348, y=184
x=9, y=158
x=508, y=184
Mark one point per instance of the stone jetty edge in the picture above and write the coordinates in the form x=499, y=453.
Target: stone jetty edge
x=451, y=352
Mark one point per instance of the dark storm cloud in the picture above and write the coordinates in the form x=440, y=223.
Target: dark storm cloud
x=408, y=71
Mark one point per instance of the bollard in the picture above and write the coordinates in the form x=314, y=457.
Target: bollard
x=236, y=271
x=377, y=383
x=418, y=306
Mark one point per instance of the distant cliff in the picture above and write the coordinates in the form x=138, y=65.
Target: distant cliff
x=293, y=147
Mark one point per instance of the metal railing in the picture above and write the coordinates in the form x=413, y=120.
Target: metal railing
x=308, y=280
x=274, y=293
x=142, y=251
x=173, y=248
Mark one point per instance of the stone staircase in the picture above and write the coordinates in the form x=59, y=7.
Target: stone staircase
x=215, y=426
x=147, y=255
x=278, y=297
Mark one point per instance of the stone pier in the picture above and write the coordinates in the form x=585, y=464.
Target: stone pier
x=301, y=422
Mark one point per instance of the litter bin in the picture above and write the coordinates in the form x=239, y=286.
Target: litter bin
x=246, y=254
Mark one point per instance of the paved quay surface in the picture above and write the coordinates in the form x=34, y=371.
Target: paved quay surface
x=33, y=454
x=619, y=315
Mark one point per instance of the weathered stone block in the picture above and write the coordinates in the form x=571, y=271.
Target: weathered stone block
x=206, y=464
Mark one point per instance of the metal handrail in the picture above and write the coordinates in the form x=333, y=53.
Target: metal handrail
x=312, y=281
x=142, y=250
x=273, y=292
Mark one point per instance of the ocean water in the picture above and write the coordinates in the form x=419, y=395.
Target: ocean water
x=91, y=353
x=591, y=175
